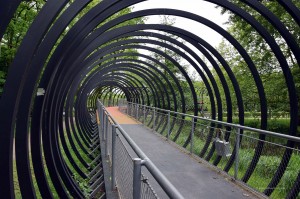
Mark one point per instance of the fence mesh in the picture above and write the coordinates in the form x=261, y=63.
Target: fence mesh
x=124, y=171
x=147, y=192
x=109, y=138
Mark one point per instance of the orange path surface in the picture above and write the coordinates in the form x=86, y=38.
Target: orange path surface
x=120, y=117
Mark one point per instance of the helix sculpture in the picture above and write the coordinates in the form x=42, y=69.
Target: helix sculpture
x=93, y=58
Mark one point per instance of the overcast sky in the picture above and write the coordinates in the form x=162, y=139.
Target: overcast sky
x=198, y=7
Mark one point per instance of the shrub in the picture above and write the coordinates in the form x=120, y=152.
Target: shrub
x=267, y=165
x=279, y=125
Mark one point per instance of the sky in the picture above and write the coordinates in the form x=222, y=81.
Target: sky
x=199, y=7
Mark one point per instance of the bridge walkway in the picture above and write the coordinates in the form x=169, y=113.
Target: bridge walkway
x=191, y=177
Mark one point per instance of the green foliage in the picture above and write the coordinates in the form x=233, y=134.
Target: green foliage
x=265, y=61
x=14, y=34
x=2, y=81
x=251, y=40
x=279, y=125
x=9, y=44
x=268, y=162
x=83, y=185
x=268, y=165
x=168, y=20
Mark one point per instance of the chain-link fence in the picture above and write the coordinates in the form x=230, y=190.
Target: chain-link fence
x=124, y=170
x=267, y=162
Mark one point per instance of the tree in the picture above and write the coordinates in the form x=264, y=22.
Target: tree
x=170, y=21
x=263, y=57
x=14, y=34
x=254, y=43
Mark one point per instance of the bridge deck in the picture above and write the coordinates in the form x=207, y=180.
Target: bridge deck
x=191, y=178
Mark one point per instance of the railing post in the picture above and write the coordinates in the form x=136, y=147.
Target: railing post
x=137, y=166
x=144, y=112
x=192, y=136
x=154, y=118
x=169, y=125
x=130, y=109
x=113, y=157
x=106, y=135
x=102, y=122
x=237, y=148
x=104, y=129
x=137, y=112
x=133, y=109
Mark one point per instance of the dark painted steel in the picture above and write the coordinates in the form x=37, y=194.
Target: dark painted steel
x=69, y=63
x=11, y=97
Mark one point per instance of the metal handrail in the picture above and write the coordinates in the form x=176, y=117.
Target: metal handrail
x=238, y=126
x=166, y=185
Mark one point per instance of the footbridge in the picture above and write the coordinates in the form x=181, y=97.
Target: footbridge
x=153, y=134
x=98, y=102
x=188, y=176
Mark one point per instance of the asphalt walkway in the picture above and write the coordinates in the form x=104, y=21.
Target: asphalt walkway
x=192, y=178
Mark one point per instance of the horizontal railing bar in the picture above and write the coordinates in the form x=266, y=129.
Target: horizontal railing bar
x=260, y=131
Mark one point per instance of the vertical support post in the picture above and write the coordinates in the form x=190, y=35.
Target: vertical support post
x=154, y=118
x=169, y=125
x=104, y=129
x=100, y=119
x=113, y=157
x=130, y=108
x=102, y=123
x=127, y=108
x=106, y=136
x=237, y=148
x=192, y=136
x=144, y=112
x=137, y=166
x=137, y=111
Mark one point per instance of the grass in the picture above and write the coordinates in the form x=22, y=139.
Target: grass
x=37, y=192
x=83, y=183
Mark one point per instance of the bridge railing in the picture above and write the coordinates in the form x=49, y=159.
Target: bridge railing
x=127, y=160
x=265, y=161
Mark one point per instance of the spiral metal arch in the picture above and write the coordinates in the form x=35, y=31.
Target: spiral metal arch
x=71, y=85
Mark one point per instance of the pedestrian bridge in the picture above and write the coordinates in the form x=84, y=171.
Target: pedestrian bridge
x=100, y=103
x=131, y=132
x=192, y=176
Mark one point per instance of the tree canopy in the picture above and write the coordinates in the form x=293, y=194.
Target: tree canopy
x=268, y=66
